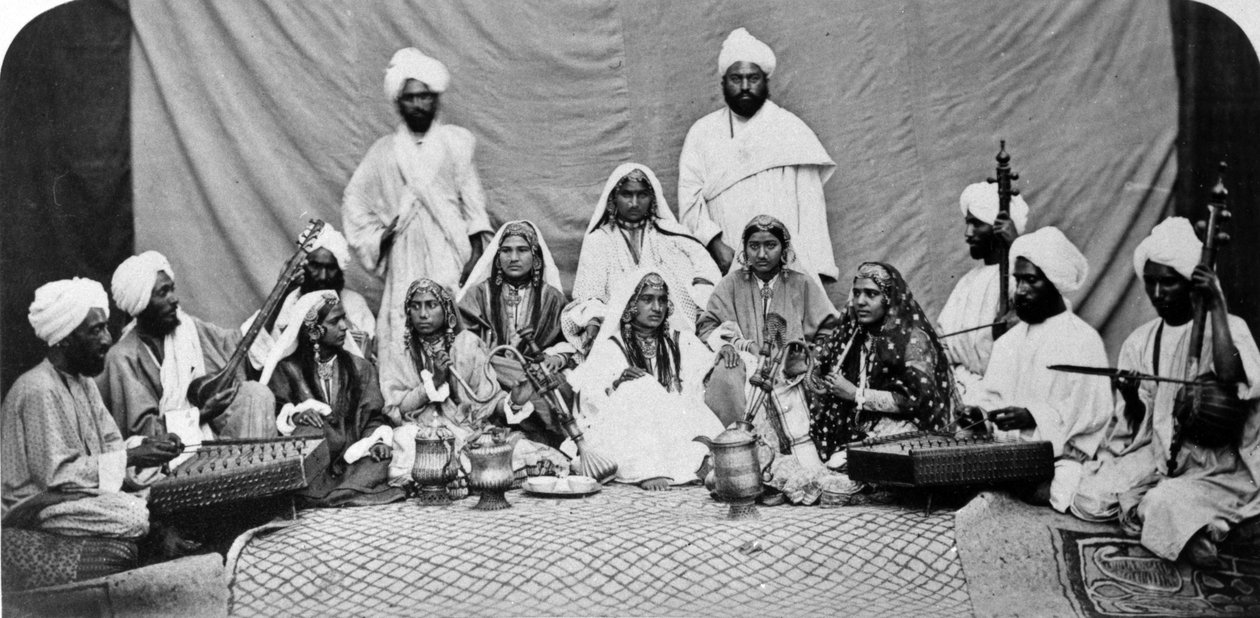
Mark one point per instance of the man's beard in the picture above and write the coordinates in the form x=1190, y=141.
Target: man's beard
x=746, y=107
x=418, y=123
x=1032, y=312
x=336, y=283
x=981, y=249
x=81, y=360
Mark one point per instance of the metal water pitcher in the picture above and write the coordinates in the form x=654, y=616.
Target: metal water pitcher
x=737, y=474
x=436, y=464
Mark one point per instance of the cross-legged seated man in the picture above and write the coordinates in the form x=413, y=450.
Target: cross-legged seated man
x=642, y=387
x=147, y=374
x=1024, y=399
x=64, y=461
x=1188, y=508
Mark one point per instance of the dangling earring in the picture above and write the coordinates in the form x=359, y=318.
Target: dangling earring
x=498, y=278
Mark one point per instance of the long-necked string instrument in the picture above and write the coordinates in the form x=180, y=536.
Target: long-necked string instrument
x=1003, y=179
x=1207, y=413
x=207, y=386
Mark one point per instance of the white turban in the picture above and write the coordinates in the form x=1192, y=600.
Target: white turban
x=332, y=240
x=1172, y=243
x=411, y=63
x=981, y=200
x=740, y=46
x=1056, y=256
x=133, y=281
x=61, y=306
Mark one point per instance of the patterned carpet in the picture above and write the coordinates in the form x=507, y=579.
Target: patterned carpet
x=623, y=551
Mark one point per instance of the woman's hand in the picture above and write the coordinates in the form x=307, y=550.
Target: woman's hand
x=309, y=418
x=837, y=386
x=729, y=356
x=631, y=373
x=380, y=451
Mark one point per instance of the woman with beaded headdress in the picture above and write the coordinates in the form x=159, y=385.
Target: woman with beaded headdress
x=641, y=390
x=632, y=227
x=516, y=285
x=735, y=325
x=882, y=371
x=443, y=375
x=324, y=390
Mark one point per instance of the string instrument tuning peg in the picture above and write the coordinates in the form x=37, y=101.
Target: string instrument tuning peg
x=1222, y=238
x=991, y=180
x=1200, y=227
x=1014, y=176
x=1014, y=192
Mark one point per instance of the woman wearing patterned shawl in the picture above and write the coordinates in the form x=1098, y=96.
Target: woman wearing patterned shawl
x=632, y=227
x=883, y=371
x=516, y=285
x=642, y=388
x=323, y=390
x=444, y=374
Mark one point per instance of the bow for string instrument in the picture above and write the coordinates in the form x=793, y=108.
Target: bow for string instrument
x=205, y=387
x=1208, y=412
x=1003, y=180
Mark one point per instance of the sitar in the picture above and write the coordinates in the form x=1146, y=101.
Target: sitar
x=1003, y=179
x=205, y=387
x=1208, y=412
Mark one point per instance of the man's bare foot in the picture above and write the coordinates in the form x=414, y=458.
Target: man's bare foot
x=659, y=483
x=1201, y=552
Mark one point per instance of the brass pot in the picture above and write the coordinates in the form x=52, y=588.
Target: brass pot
x=436, y=464
x=736, y=472
x=491, y=475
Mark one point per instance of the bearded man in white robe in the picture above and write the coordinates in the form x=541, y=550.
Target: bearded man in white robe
x=1186, y=510
x=975, y=299
x=64, y=461
x=1026, y=401
x=415, y=207
x=162, y=352
x=751, y=158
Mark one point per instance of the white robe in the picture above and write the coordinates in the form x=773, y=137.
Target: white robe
x=1071, y=410
x=774, y=165
x=434, y=190
x=973, y=302
x=1215, y=488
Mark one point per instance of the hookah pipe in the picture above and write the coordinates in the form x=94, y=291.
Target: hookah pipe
x=547, y=383
x=775, y=356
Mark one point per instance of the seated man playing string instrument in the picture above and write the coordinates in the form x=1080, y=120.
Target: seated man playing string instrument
x=974, y=302
x=882, y=371
x=516, y=286
x=737, y=324
x=632, y=227
x=64, y=461
x=443, y=375
x=324, y=269
x=1027, y=401
x=148, y=373
x=1180, y=496
x=324, y=390
x=641, y=390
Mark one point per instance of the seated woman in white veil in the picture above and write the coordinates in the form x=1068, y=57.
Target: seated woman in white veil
x=641, y=390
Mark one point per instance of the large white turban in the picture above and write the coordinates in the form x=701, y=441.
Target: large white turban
x=332, y=240
x=1056, y=256
x=740, y=46
x=61, y=306
x=411, y=63
x=1172, y=243
x=981, y=200
x=133, y=281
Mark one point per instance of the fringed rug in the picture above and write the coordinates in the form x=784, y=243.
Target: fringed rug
x=623, y=551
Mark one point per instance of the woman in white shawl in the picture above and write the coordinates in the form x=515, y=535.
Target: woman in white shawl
x=632, y=227
x=641, y=390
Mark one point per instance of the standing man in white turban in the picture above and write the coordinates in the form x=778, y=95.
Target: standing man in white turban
x=147, y=374
x=752, y=158
x=324, y=269
x=64, y=460
x=1186, y=511
x=415, y=207
x=1024, y=399
x=974, y=301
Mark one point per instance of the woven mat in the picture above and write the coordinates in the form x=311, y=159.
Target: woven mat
x=623, y=551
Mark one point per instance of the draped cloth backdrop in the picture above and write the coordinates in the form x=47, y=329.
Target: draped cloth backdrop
x=248, y=118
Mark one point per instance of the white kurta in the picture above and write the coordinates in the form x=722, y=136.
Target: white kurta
x=1071, y=410
x=973, y=302
x=1214, y=488
x=773, y=165
x=433, y=189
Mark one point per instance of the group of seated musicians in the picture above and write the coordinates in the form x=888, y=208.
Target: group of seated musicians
x=670, y=332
